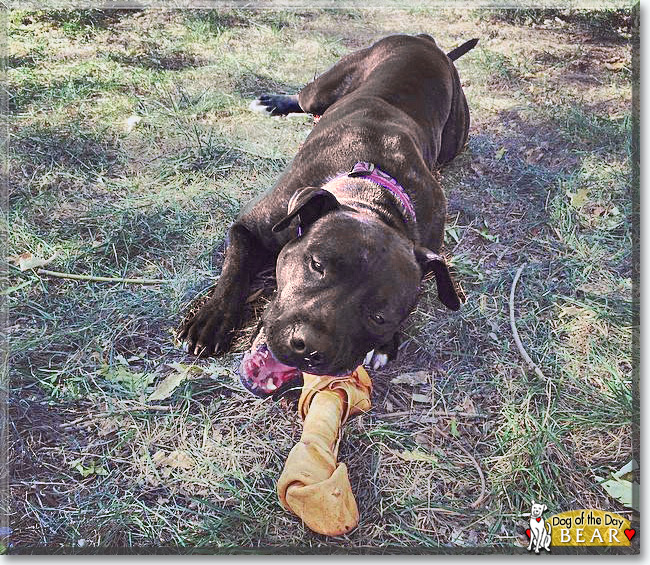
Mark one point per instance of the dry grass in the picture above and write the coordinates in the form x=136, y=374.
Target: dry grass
x=545, y=180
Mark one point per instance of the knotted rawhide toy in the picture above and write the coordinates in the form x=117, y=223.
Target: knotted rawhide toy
x=313, y=485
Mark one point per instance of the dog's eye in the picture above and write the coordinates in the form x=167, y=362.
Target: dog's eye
x=377, y=318
x=316, y=266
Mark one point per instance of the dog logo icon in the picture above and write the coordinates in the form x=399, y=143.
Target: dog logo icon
x=540, y=530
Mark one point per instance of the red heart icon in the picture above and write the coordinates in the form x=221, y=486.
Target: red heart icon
x=528, y=532
x=538, y=519
x=630, y=534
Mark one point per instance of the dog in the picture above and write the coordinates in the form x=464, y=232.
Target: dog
x=540, y=531
x=354, y=223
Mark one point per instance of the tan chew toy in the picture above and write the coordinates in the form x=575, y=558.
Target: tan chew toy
x=313, y=485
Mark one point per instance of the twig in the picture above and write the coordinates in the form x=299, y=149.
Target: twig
x=513, y=327
x=116, y=411
x=440, y=413
x=481, y=496
x=93, y=278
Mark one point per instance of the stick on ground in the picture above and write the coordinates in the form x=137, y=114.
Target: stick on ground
x=93, y=278
x=531, y=364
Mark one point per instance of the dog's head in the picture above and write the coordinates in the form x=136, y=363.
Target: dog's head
x=345, y=284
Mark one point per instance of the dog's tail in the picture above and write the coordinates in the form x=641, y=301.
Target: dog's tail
x=464, y=48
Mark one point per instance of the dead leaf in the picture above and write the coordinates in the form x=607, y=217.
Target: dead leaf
x=617, y=66
x=216, y=370
x=107, y=426
x=415, y=455
x=131, y=122
x=421, y=398
x=411, y=379
x=27, y=261
x=468, y=405
x=177, y=459
x=423, y=440
x=457, y=536
x=534, y=155
x=500, y=153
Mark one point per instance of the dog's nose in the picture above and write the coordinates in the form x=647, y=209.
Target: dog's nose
x=308, y=346
x=298, y=345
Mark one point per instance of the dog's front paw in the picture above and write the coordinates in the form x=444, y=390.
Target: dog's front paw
x=375, y=360
x=380, y=356
x=210, y=330
x=276, y=104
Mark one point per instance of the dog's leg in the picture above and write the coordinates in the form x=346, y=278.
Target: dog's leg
x=319, y=94
x=211, y=328
x=343, y=78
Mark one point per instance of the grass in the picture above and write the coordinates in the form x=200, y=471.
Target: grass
x=132, y=150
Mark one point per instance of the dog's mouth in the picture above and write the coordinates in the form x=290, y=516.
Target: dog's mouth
x=263, y=375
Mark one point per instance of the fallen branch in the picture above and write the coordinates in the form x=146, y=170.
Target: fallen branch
x=93, y=278
x=531, y=364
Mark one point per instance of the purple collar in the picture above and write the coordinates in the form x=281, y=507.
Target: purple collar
x=371, y=172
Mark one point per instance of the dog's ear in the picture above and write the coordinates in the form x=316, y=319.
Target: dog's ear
x=309, y=204
x=432, y=262
x=545, y=508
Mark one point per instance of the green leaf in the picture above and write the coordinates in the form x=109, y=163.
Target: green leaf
x=454, y=427
x=578, y=198
x=453, y=232
x=625, y=469
x=487, y=235
x=168, y=385
x=500, y=153
x=132, y=381
x=188, y=369
x=92, y=469
x=623, y=491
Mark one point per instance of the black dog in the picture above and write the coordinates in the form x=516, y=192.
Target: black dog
x=355, y=222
